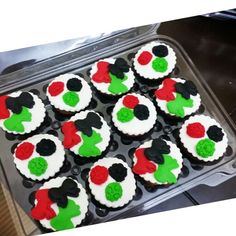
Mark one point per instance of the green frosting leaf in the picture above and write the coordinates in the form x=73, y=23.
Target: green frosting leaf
x=160, y=64
x=113, y=191
x=116, y=85
x=14, y=123
x=71, y=98
x=176, y=106
x=63, y=220
x=88, y=148
x=37, y=166
x=205, y=148
x=125, y=115
x=163, y=173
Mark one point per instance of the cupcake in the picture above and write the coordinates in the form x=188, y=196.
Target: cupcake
x=60, y=204
x=86, y=134
x=177, y=97
x=154, y=60
x=112, y=182
x=69, y=93
x=203, y=138
x=112, y=76
x=134, y=114
x=39, y=157
x=158, y=162
x=21, y=112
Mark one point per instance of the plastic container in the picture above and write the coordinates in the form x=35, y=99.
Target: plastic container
x=123, y=44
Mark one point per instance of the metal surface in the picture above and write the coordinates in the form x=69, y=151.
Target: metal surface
x=192, y=174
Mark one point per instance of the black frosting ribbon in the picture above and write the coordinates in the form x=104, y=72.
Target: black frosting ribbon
x=16, y=104
x=86, y=125
x=186, y=89
x=156, y=151
x=119, y=68
x=60, y=195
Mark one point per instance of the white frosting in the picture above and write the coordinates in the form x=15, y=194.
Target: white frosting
x=187, y=110
x=128, y=184
x=174, y=153
x=81, y=200
x=103, y=87
x=135, y=126
x=38, y=113
x=104, y=132
x=55, y=161
x=190, y=143
x=147, y=71
x=85, y=94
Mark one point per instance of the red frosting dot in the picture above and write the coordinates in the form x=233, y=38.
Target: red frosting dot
x=143, y=165
x=196, y=130
x=24, y=151
x=56, y=88
x=4, y=112
x=130, y=101
x=144, y=58
x=99, y=175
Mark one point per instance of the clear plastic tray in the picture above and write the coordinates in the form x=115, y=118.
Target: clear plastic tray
x=124, y=44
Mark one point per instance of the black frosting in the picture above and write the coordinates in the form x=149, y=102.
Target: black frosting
x=74, y=84
x=86, y=125
x=160, y=51
x=118, y=172
x=45, y=147
x=119, y=68
x=186, y=89
x=156, y=151
x=141, y=112
x=15, y=104
x=59, y=195
x=215, y=133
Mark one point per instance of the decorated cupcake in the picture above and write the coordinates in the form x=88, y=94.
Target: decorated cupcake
x=112, y=182
x=112, y=76
x=158, y=161
x=178, y=97
x=60, y=204
x=203, y=138
x=69, y=93
x=86, y=134
x=134, y=114
x=21, y=112
x=39, y=157
x=154, y=60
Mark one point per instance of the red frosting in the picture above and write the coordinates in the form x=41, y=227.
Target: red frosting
x=102, y=74
x=166, y=92
x=56, y=88
x=143, y=165
x=144, y=58
x=130, y=101
x=99, y=175
x=4, y=112
x=42, y=209
x=70, y=137
x=24, y=151
x=196, y=130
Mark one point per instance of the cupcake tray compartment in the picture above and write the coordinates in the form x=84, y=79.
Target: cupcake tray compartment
x=193, y=173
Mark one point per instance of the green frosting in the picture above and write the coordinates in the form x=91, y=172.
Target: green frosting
x=37, y=166
x=116, y=85
x=160, y=64
x=113, y=191
x=88, y=148
x=14, y=123
x=125, y=114
x=176, y=106
x=205, y=148
x=63, y=220
x=71, y=98
x=163, y=173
